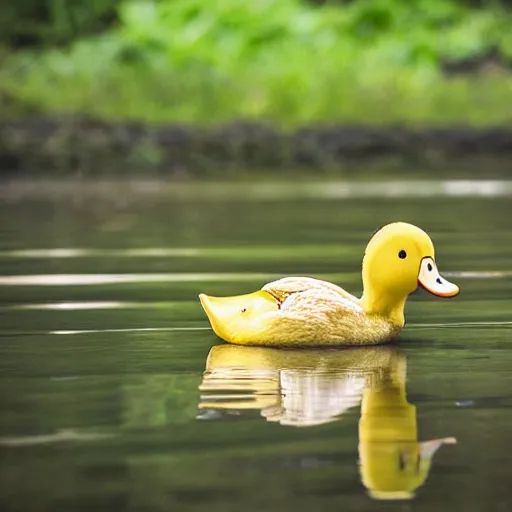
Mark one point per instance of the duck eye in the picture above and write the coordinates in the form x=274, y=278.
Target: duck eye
x=244, y=310
x=402, y=254
x=429, y=266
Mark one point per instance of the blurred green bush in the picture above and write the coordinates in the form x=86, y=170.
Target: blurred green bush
x=287, y=60
x=52, y=22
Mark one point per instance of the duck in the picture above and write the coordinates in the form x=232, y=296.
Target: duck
x=299, y=388
x=308, y=312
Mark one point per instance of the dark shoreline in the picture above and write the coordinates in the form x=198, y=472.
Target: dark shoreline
x=58, y=147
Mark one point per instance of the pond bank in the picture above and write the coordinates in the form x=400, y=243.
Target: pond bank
x=60, y=147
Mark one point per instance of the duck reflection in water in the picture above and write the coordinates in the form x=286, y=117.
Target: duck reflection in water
x=304, y=388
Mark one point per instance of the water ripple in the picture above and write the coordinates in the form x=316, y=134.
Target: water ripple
x=16, y=190
x=95, y=279
x=182, y=277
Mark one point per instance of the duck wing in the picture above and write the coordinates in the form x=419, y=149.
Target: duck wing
x=316, y=317
x=287, y=286
x=313, y=302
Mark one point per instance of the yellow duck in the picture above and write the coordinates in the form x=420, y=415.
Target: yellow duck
x=306, y=388
x=302, y=311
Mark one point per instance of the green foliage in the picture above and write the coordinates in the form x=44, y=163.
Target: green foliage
x=227, y=35
x=288, y=61
x=52, y=22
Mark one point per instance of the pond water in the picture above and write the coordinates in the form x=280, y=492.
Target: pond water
x=116, y=395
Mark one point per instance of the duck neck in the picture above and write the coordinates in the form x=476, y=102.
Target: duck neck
x=387, y=304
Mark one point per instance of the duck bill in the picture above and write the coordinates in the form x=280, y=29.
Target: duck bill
x=430, y=279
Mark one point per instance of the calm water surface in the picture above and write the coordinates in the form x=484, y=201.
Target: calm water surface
x=116, y=395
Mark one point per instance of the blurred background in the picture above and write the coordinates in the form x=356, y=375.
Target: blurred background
x=189, y=87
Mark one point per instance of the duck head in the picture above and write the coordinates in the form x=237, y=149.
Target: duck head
x=399, y=258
